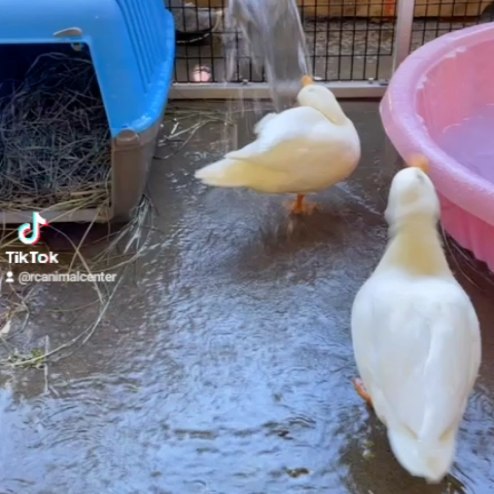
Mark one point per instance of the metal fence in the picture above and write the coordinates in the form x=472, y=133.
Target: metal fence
x=353, y=44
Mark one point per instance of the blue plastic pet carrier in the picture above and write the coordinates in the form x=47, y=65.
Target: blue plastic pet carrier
x=131, y=44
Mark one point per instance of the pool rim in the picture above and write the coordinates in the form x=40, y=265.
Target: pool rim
x=407, y=132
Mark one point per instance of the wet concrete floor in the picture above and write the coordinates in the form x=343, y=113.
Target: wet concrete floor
x=224, y=364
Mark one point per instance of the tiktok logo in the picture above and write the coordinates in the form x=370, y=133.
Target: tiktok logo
x=30, y=235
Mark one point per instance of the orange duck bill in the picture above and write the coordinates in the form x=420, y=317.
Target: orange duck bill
x=419, y=161
x=307, y=80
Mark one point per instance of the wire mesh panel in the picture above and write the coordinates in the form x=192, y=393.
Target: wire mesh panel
x=435, y=18
x=347, y=40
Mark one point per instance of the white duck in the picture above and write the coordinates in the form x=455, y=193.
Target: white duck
x=416, y=335
x=301, y=150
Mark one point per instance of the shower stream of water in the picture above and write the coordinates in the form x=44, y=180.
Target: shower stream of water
x=273, y=39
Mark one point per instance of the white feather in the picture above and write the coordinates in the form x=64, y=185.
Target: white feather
x=300, y=150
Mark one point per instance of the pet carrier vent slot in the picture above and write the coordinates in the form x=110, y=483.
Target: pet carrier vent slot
x=139, y=16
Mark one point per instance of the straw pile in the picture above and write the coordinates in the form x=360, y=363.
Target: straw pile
x=55, y=153
x=55, y=143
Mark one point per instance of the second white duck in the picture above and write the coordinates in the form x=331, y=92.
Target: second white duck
x=416, y=334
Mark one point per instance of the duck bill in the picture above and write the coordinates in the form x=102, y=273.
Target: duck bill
x=307, y=80
x=419, y=161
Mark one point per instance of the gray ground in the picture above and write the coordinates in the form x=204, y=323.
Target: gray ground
x=224, y=365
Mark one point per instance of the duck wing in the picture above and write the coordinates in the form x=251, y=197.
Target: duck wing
x=294, y=133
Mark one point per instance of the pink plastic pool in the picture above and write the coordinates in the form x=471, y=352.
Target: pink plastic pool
x=440, y=103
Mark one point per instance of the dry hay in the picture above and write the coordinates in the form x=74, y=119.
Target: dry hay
x=55, y=143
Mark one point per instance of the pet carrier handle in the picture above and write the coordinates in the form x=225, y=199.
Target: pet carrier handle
x=69, y=32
